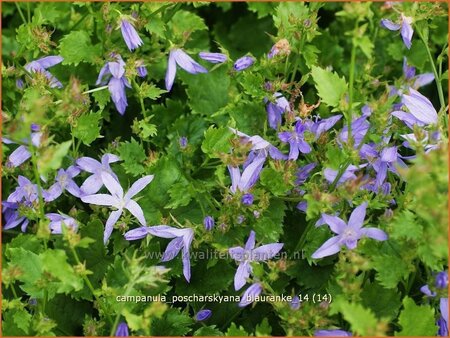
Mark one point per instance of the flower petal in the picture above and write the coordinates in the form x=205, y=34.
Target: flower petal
x=357, y=217
x=250, y=244
x=139, y=185
x=374, y=233
x=112, y=185
x=136, y=210
x=242, y=273
x=171, y=71
x=420, y=107
x=137, y=233
x=386, y=23
x=88, y=164
x=237, y=253
x=330, y=247
x=265, y=252
x=112, y=219
x=336, y=224
x=100, y=199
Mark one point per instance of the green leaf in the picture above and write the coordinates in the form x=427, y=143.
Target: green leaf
x=391, y=269
x=207, y=92
x=86, y=128
x=156, y=26
x=331, y=88
x=363, y=322
x=102, y=97
x=234, y=331
x=133, y=155
x=309, y=53
x=144, y=128
x=185, y=22
x=405, y=225
x=262, y=9
x=52, y=157
x=30, y=265
x=173, y=323
x=366, y=45
x=217, y=141
x=180, y=195
x=55, y=263
x=416, y=320
x=22, y=319
x=385, y=303
x=76, y=47
x=274, y=182
x=150, y=91
x=167, y=173
x=263, y=329
x=208, y=331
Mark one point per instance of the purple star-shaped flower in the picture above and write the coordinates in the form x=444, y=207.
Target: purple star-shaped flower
x=129, y=34
x=179, y=57
x=381, y=161
x=303, y=173
x=260, y=148
x=115, y=72
x=56, y=221
x=295, y=139
x=347, y=234
x=182, y=239
x=118, y=200
x=405, y=28
x=276, y=109
x=249, y=254
x=64, y=181
x=359, y=128
x=22, y=153
x=94, y=182
x=27, y=191
x=12, y=217
x=416, y=81
x=41, y=65
x=249, y=176
x=320, y=126
x=349, y=173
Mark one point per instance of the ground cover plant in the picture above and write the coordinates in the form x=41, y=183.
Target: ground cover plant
x=224, y=169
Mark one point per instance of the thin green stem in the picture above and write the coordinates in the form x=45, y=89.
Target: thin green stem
x=86, y=92
x=340, y=173
x=302, y=239
x=88, y=282
x=13, y=289
x=116, y=320
x=141, y=99
x=21, y=13
x=95, y=89
x=28, y=11
x=350, y=91
x=79, y=21
x=433, y=67
x=38, y=182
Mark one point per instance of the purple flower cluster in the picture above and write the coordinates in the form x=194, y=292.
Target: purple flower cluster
x=348, y=234
x=26, y=195
x=181, y=241
x=248, y=254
